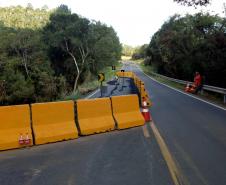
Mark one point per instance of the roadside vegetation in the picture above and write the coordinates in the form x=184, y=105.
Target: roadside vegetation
x=48, y=55
x=184, y=45
x=134, y=53
x=93, y=84
x=208, y=96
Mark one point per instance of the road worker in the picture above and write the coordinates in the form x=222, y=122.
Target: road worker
x=197, y=82
x=196, y=86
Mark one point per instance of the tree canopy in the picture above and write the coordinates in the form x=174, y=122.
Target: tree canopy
x=193, y=2
x=19, y=17
x=187, y=44
x=45, y=54
x=140, y=52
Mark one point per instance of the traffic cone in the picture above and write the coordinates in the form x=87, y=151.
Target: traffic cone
x=193, y=88
x=145, y=111
x=27, y=140
x=21, y=139
x=187, y=87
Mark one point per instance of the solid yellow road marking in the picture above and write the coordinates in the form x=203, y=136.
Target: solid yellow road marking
x=176, y=175
x=145, y=131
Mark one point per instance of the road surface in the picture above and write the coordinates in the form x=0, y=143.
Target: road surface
x=194, y=131
x=194, y=134
x=126, y=157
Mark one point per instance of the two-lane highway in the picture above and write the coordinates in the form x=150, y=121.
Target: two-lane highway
x=194, y=131
x=122, y=157
x=185, y=146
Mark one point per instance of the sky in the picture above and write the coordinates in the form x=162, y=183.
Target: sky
x=135, y=21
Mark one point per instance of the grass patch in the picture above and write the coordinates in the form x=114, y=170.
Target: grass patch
x=73, y=96
x=215, y=98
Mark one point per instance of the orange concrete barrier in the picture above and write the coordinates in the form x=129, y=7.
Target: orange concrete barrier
x=14, y=124
x=53, y=122
x=144, y=95
x=126, y=111
x=135, y=80
x=138, y=83
x=95, y=115
x=127, y=74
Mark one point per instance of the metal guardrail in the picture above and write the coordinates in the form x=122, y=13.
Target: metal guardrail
x=205, y=87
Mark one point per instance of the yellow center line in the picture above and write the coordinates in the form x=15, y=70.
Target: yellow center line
x=176, y=175
x=145, y=131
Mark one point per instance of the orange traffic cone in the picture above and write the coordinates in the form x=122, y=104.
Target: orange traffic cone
x=27, y=140
x=193, y=88
x=21, y=139
x=187, y=87
x=145, y=111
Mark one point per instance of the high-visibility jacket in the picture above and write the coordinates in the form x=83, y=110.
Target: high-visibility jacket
x=198, y=80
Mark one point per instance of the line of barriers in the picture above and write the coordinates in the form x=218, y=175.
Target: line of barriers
x=143, y=94
x=40, y=123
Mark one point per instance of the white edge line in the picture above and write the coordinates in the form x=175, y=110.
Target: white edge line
x=89, y=96
x=184, y=93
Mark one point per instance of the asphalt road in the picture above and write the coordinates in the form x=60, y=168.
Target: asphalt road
x=119, y=157
x=126, y=157
x=194, y=131
x=121, y=86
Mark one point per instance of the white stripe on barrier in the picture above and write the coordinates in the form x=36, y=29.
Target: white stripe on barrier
x=145, y=110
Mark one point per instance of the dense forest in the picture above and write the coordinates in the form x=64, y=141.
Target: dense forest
x=191, y=43
x=135, y=53
x=46, y=54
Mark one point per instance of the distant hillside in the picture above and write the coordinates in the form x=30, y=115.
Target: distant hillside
x=20, y=17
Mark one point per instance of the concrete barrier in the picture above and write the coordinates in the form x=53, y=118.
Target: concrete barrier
x=127, y=74
x=126, y=111
x=144, y=95
x=15, y=121
x=138, y=83
x=95, y=115
x=53, y=122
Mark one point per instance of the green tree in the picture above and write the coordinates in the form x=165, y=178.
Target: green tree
x=187, y=44
x=67, y=33
x=77, y=45
x=19, y=17
x=44, y=54
x=193, y=2
x=105, y=48
x=140, y=52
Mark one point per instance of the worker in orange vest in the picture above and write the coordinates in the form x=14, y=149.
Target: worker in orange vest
x=197, y=82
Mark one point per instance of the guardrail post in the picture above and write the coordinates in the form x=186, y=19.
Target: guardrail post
x=224, y=98
x=202, y=92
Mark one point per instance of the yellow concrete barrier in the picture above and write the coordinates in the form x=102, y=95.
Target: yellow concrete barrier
x=15, y=121
x=144, y=95
x=126, y=111
x=53, y=122
x=95, y=115
x=135, y=80
x=127, y=74
x=138, y=83
x=135, y=77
